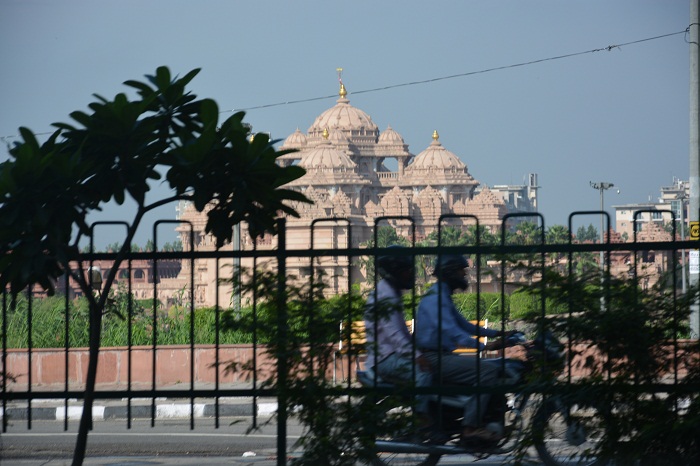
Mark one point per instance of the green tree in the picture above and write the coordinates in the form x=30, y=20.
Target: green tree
x=526, y=233
x=112, y=247
x=589, y=233
x=113, y=153
x=631, y=342
x=557, y=234
x=485, y=237
x=339, y=429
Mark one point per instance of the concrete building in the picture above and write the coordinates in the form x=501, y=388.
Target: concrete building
x=672, y=203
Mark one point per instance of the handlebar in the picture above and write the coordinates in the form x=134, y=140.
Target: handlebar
x=517, y=338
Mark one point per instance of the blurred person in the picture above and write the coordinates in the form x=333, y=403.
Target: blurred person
x=441, y=329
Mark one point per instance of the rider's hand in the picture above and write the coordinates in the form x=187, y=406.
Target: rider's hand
x=493, y=345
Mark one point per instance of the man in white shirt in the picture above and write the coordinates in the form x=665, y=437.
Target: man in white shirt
x=390, y=351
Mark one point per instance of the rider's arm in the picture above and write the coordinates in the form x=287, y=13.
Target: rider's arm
x=434, y=333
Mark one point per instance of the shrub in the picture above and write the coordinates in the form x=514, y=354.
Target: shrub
x=490, y=309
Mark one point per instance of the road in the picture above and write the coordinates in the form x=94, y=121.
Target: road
x=169, y=442
x=47, y=439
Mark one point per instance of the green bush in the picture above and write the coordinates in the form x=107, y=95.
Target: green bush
x=525, y=305
x=491, y=306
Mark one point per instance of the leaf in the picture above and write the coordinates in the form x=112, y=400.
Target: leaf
x=81, y=117
x=119, y=196
x=189, y=76
x=29, y=138
x=209, y=112
x=144, y=88
x=162, y=78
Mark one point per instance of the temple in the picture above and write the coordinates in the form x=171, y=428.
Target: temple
x=346, y=159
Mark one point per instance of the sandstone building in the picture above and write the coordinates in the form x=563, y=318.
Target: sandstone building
x=346, y=158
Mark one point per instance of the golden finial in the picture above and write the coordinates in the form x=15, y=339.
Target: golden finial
x=342, y=92
x=325, y=133
x=252, y=137
x=436, y=136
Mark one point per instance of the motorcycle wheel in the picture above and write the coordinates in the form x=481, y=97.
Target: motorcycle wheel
x=405, y=459
x=562, y=442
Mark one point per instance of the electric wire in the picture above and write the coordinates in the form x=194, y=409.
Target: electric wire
x=608, y=48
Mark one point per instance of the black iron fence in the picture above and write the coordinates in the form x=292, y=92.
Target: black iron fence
x=158, y=313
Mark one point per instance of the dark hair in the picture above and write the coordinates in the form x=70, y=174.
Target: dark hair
x=389, y=266
x=449, y=263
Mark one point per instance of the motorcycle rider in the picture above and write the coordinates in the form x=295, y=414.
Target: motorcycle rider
x=390, y=350
x=440, y=329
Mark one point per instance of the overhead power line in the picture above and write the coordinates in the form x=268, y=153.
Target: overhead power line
x=462, y=75
x=432, y=80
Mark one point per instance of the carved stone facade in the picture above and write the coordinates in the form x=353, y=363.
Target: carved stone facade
x=346, y=158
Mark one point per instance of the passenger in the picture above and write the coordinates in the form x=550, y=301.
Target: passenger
x=390, y=351
x=440, y=329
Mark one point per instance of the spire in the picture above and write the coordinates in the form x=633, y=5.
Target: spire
x=342, y=93
x=325, y=133
x=436, y=136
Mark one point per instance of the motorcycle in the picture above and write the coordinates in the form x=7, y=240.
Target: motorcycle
x=560, y=428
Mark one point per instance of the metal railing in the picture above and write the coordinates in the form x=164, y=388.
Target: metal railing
x=493, y=268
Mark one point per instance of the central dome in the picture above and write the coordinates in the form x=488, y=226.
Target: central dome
x=343, y=116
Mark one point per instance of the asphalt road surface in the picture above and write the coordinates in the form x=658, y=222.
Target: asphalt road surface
x=170, y=442
x=48, y=440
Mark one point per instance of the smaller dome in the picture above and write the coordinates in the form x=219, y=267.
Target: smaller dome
x=389, y=136
x=436, y=157
x=325, y=156
x=296, y=140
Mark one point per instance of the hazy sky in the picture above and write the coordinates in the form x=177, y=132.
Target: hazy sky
x=617, y=115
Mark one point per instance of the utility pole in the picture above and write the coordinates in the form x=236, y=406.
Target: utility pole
x=684, y=287
x=694, y=178
x=602, y=186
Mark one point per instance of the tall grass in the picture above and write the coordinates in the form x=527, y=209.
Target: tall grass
x=48, y=329
x=48, y=325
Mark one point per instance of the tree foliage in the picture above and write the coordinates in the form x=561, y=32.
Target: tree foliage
x=589, y=233
x=116, y=151
x=625, y=344
x=338, y=429
x=113, y=153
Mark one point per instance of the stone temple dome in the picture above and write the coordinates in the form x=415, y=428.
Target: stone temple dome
x=352, y=121
x=296, y=140
x=437, y=158
x=324, y=157
x=389, y=136
x=328, y=167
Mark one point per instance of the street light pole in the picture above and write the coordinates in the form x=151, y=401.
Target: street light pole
x=602, y=186
x=682, y=198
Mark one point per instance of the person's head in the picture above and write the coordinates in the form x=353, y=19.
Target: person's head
x=397, y=270
x=452, y=270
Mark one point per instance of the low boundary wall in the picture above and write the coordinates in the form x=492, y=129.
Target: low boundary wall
x=172, y=366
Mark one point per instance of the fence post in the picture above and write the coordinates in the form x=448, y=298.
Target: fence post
x=282, y=355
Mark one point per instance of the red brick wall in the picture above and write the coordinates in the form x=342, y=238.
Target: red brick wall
x=48, y=366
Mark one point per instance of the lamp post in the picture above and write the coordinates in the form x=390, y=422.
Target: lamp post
x=601, y=186
x=681, y=197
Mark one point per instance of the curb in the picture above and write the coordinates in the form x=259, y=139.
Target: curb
x=162, y=411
